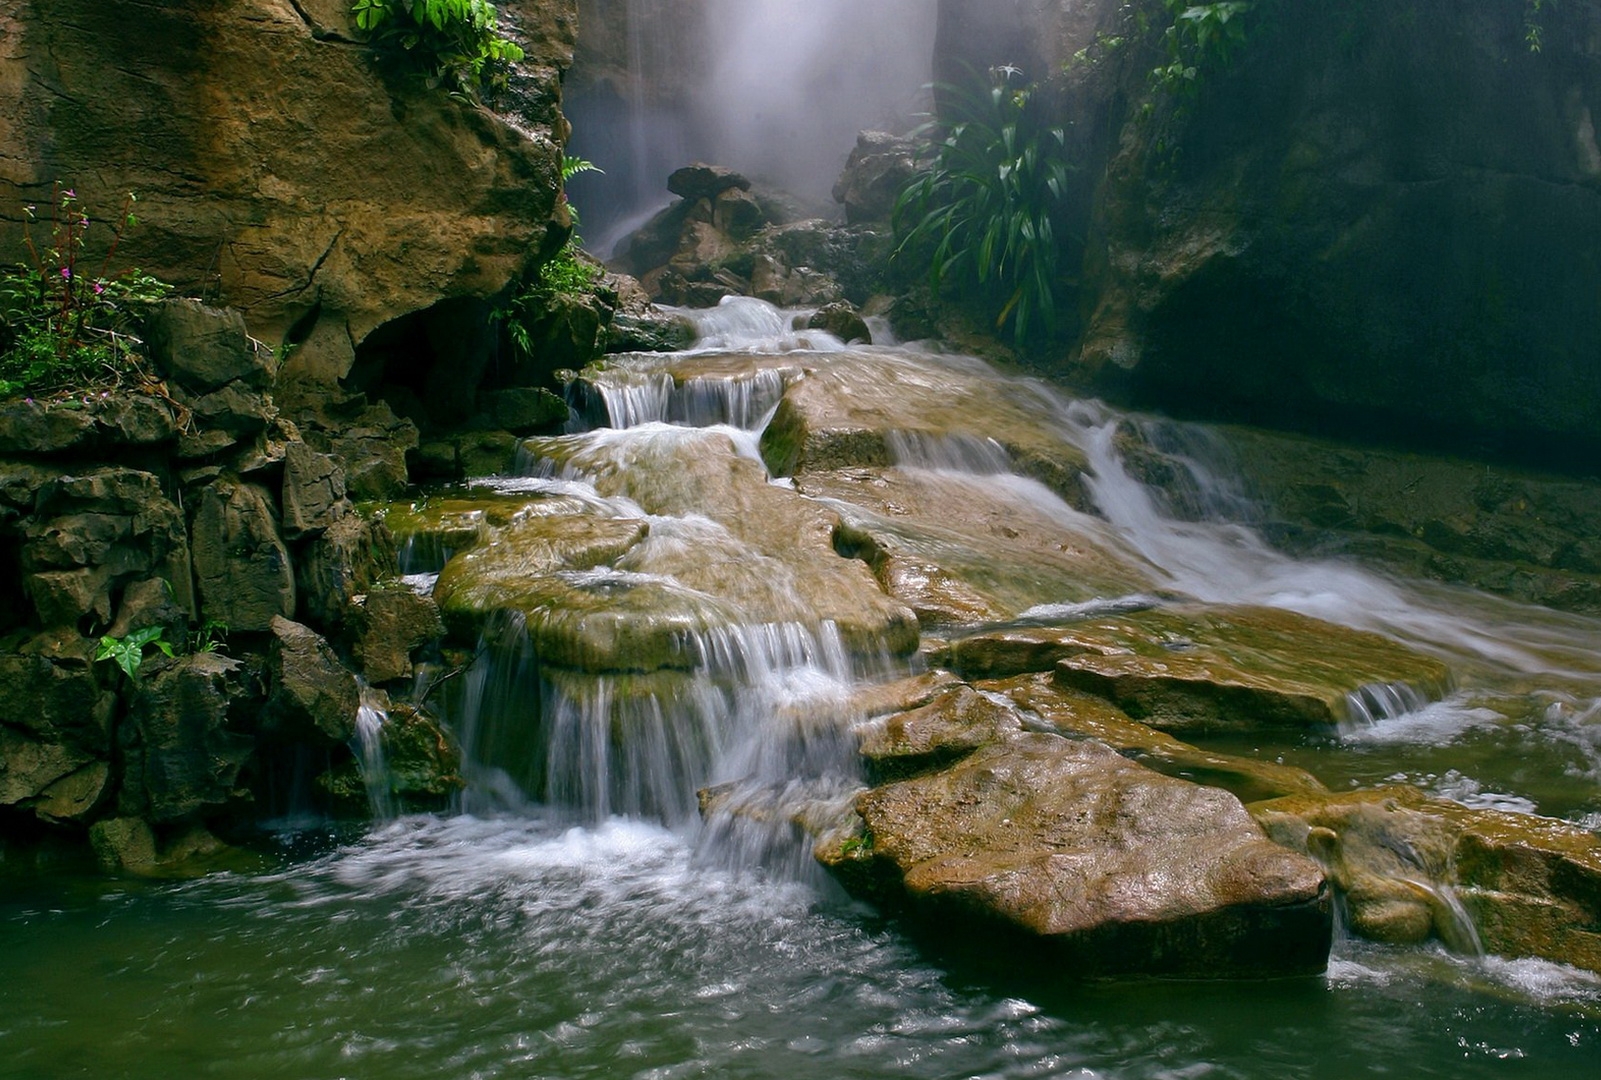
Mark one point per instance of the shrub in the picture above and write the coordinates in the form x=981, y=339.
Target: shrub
x=63, y=327
x=983, y=211
x=454, y=42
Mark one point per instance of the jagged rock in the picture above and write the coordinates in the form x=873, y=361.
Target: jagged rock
x=95, y=531
x=242, y=569
x=655, y=332
x=737, y=213
x=346, y=559
x=35, y=427
x=52, y=695
x=843, y=322
x=526, y=410
x=370, y=442
x=1206, y=669
x=76, y=798
x=1531, y=885
x=390, y=623
x=312, y=691
x=28, y=768
x=147, y=603
x=702, y=181
x=238, y=200
x=234, y=408
x=1108, y=866
x=182, y=752
x=313, y=490
x=204, y=348
x=878, y=168
x=205, y=443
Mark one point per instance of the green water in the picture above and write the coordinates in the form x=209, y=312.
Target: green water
x=521, y=947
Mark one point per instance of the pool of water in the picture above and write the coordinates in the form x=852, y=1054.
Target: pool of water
x=527, y=947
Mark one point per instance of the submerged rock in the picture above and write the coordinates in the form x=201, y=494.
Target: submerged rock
x=1110, y=867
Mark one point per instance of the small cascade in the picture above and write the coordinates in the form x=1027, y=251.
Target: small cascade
x=1452, y=922
x=743, y=401
x=1374, y=703
x=371, y=716
x=643, y=744
x=959, y=453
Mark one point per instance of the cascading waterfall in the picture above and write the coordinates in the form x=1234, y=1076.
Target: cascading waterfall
x=370, y=756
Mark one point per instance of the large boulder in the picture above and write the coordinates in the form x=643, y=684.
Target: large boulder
x=1068, y=850
x=182, y=750
x=278, y=161
x=879, y=167
x=242, y=568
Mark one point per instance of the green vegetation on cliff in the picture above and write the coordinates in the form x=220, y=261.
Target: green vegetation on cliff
x=456, y=42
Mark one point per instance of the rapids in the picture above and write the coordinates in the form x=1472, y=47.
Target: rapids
x=576, y=918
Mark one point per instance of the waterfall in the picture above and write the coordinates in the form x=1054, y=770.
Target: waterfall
x=371, y=717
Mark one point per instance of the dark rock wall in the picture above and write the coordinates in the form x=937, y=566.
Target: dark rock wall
x=1379, y=220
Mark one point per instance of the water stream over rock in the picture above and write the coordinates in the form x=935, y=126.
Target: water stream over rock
x=776, y=605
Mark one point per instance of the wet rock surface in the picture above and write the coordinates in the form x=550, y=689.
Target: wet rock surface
x=1111, y=866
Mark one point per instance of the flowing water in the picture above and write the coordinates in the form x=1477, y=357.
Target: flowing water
x=575, y=918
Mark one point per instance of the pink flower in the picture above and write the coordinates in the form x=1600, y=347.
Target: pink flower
x=66, y=273
x=99, y=288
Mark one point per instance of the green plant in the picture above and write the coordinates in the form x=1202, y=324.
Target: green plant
x=983, y=210
x=571, y=167
x=567, y=276
x=1201, y=37
x=129, y=652
x=1533, y=31
x=62, y=326
x=455, y=43
x=210, y=637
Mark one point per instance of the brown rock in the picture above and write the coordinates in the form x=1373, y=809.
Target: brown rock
x=181, y=751
x=312, y=691
x=241, y=566
x=391, y=623
x=313, y=490
x=1112, y=867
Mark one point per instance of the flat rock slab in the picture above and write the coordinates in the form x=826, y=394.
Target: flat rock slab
x=1215, y=669
x=1076, y=714
x=873, y=409
x=1530, y=886
x=962, y=550
x=1117, y=869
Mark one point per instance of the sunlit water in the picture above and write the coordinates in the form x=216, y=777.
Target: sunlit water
x=520, y=940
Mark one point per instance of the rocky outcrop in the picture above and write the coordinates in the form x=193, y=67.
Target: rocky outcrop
x=1372, y=219
x=279, y=163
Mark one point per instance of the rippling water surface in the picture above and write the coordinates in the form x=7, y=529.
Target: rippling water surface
x=517, y=947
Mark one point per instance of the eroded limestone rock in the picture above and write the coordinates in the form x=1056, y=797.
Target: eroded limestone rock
x=183, y=747
x=1110, y=866
x=242, y=568
x=312, y=692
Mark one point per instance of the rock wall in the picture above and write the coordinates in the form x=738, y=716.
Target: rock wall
x=280, y=167
x=1377, y=220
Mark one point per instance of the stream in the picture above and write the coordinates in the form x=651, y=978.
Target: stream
x=574, y=917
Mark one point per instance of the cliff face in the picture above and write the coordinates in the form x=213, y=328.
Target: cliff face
x=1376, y=219
x=280, y=168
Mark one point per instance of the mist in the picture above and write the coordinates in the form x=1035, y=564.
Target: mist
x=789, y=83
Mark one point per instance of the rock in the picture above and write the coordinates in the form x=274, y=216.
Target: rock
x=1111, y=868
x=32, y=427
x=207, y=443
x=966, y=551
x=224, y=162
x=147, y=603
x=312, y=692
x=76, y=798
x=124, y=845
x=242, y=569
x=702, y=181
x=1531, y=885
x=182, y=751
x=202, y=349
x=390, y=623
x=370, y=443
x=1074, y=714
x=878, y=168
x=313, y=490
x=56, y=699
x=737, y=214
x=843, y=322
x=234, y=408
x=347, y=559
x=93, y=532
x=851, y=404
x=934, y=735
x=658, y=332
x=29, y=768
x=421, y=760
x=526, y=410
x=1207, y=669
